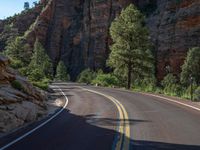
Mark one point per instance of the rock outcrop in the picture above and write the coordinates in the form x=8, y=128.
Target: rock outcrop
x=77, y=31
x=20, y=102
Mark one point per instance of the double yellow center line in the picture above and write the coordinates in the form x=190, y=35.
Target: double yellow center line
x=123, y=140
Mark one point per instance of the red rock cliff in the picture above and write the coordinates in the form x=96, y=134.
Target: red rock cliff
x=77, y=31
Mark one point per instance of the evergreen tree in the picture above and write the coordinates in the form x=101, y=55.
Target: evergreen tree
x=40, y=66
x=61, y=72
x=18, y=52
x=26, y=5
x=130, y=52
x=191, y=67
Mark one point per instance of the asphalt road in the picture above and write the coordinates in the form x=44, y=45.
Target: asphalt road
x=105, y=119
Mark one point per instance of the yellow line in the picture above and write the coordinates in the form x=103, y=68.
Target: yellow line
x=124, y=126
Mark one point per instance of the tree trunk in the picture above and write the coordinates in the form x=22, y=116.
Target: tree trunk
x=129, y=76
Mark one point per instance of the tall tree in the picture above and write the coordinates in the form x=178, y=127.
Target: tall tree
x=40, y=63
x=61, y=72
x=130, y=52
x=18, y=51
x=191, y=66
x=26, y=5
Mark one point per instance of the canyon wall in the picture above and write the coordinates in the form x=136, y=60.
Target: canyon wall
x=77, y=31
x=174, y=28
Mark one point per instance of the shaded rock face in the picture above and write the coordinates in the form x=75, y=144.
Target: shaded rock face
x=174, y=28
x=20, y=102
x=77, y=31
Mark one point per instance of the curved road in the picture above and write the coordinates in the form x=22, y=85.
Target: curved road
x=104, y=119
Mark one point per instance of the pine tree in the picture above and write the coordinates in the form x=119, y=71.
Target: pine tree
x=61, y=72
x=130, y=52
x=18, y=52
x=191, y=66
x=40, y=66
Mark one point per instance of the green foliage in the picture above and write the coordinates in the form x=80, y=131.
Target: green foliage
x=107, y=80
x=191, y=67
x=86, y=76
x=17, y=85
x=40, y=66
x=171, y=85
x=17, y=51
x=42, y=84
x=169, y=80
x=147, y=84
x=61, y=72
x=197, y=94
x=130, y=50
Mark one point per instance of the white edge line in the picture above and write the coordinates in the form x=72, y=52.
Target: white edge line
x=168, y=99
x=41, y=125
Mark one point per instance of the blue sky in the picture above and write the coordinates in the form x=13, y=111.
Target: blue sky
x=10, y=7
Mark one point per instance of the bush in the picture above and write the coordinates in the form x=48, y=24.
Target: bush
x=36, y=75
x=42, y=84
x=197, y=94
x=17, y=85
x=145, y=84
x=171, y=86
x=108, y=80
x=86, y=76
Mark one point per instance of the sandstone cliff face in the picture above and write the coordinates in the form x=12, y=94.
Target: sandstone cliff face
x=20, y=102
x=78, y=31
x=174, y=28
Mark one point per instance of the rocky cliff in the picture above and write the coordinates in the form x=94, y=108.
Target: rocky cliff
x=20, y=102
x=174, y=28
x=77, y=31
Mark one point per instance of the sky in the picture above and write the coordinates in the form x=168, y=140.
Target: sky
x=10, y=7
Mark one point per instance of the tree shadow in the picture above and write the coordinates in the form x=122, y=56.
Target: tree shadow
x=95, y=120
x=73, y=132
x=153, y=145
x=69, y=131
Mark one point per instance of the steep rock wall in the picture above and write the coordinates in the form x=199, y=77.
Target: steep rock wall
x=77, y=31
x=20, y=102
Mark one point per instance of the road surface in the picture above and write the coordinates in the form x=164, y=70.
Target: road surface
x=104, y=119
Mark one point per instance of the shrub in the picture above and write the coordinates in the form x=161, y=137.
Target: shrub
x=42, y=84
x=197, y=94
x=108, y=80
x=17, y=85
x=86, y=76
x=171, y=86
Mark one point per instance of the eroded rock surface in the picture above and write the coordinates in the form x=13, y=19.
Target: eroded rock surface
x=20, y=102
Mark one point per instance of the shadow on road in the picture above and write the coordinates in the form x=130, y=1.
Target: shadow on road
x=95, y=120
x=69, y=131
